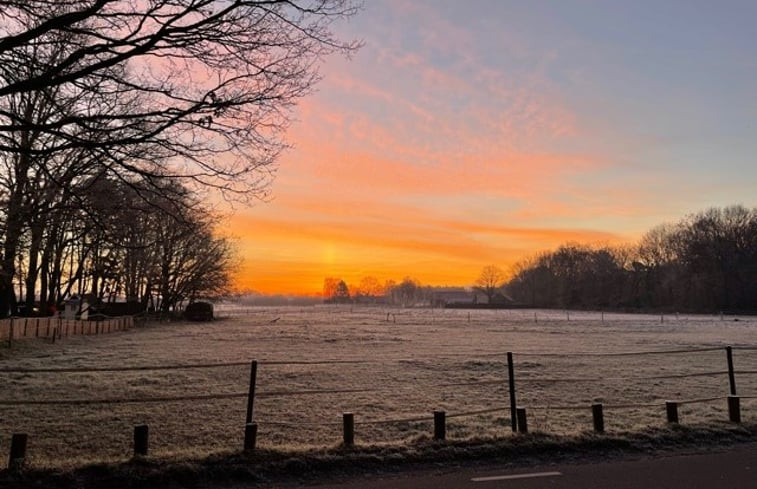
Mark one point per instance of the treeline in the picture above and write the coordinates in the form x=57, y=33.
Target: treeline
x=117, y=117
x=408, y=292
x=706, y=262
x=107, y=239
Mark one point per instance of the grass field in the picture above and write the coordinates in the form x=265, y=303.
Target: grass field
x=405, y=361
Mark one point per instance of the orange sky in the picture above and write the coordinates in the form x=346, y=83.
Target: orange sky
x=459, y=138
x=344, y=208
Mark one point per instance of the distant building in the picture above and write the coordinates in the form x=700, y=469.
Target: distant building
x=461, y=297
x=502, y=299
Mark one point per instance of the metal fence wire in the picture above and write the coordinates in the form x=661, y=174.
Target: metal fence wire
x=282, y=393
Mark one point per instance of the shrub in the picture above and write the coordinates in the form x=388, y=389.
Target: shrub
x=199, y=311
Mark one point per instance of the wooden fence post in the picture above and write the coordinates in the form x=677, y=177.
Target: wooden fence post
x=522, y=420
x=671, y=408
x=731, y=376
x=251, y=392
x=10, y=334
x=597, y=415
x=141, y=440
x=250, y=436
x=440, y=425
x=734, y=409
x=18, y=451
x=348, y=426
x=511, y=382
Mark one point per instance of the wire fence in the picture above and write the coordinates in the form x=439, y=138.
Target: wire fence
x=284, y=393
x=206, y=365
x=523, y=377
x=58, y=327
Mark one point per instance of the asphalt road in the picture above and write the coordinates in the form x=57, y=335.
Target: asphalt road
x=735, y=468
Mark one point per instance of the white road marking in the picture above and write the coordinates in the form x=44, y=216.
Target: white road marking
x=515, y=476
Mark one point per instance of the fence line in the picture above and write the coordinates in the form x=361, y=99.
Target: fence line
x=635, y=405
x=199, y=397
x=118, y=369
x=606, y=406
x=18, y=328
x=476, y=413
x=141, y=400
x=188, y=366
x=704, y=399
x=363, y=362
x=288, y=393
x=601, y=379
x=378, y=421
x=733, y=399
x=621, y=354
x=495, y=410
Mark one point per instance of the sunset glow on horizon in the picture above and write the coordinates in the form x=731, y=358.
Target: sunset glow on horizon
x=459, y=137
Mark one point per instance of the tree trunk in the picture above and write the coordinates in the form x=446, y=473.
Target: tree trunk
x=33, y=272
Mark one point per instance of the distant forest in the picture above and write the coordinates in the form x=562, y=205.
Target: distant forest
x=706, y=262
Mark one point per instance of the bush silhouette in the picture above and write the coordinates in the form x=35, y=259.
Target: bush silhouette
x=199, y=311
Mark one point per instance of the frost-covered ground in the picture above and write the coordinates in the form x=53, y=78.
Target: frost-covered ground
x=404, y=363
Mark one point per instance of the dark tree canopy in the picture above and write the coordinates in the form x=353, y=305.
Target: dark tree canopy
x=706, y=262
x=193, y=89
x=166, y=97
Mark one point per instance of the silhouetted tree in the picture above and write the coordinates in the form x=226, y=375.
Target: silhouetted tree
x=706, y=262
x=194, y=92
x=329, y=288
x=490, y=281
x=342, y=292
x=207, y=83
x=406, y=293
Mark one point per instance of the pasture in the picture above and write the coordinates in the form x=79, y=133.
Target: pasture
x=391, y=367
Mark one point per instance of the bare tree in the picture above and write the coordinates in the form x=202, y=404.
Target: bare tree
x=706, y=262
x=407, y=292
x=202, y=88
x=370, y=288
x=197, y=92
x=490, y=281
x=329, y=288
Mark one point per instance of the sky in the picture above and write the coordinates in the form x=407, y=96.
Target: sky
x=466, y=134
